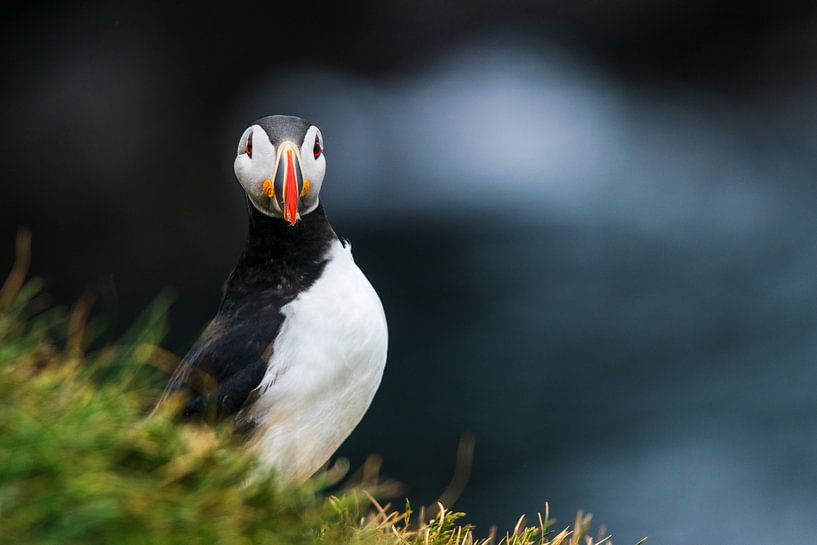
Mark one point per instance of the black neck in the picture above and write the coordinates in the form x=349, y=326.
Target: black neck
x=280, y=257
x=275, y=239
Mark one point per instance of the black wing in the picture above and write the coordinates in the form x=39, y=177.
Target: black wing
x=227, y=362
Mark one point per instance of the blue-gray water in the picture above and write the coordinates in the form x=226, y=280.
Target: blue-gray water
x=614, y=289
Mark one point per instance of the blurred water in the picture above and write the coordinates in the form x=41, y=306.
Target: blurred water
x=614, y=288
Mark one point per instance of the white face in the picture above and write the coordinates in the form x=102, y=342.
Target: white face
x=282, y=181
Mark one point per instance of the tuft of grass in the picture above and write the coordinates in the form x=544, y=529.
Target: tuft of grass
x=84, y=460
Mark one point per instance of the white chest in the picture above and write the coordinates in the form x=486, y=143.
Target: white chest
x=326, y=366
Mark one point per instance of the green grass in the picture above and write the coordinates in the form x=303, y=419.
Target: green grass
x=83, y=460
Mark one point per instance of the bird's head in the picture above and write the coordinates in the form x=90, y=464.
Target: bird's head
x=280, y=164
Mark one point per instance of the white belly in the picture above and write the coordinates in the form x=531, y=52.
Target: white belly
x=325, y=369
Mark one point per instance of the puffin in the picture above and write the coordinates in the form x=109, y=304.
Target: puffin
x=297, y=348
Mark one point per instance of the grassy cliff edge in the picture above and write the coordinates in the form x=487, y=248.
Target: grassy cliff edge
x=83, y=460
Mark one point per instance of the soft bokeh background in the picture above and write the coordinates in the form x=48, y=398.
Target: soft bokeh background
x=592, y=225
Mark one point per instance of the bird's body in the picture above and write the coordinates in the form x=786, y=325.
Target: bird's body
x=317, y=388
x=298, y=346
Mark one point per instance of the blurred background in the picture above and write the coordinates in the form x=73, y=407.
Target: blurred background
x=592, y=225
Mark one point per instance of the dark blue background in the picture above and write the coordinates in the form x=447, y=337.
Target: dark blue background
x=592, y=226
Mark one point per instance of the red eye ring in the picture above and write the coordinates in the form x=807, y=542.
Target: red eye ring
x=248, y=150
x=317, y=149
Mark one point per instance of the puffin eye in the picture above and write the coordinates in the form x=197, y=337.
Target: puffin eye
x=248, y=150
x=317, y=149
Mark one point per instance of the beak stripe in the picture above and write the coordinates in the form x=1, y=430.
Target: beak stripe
x=291, y=191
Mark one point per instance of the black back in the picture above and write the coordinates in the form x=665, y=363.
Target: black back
x=230, y=358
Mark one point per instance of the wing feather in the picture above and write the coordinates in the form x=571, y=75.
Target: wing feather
x=226, y=363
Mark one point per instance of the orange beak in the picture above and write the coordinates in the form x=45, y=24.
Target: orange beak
x=289, y=181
